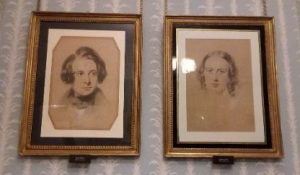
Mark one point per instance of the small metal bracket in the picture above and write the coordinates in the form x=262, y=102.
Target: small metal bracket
x=80, y=159
x=224, y=160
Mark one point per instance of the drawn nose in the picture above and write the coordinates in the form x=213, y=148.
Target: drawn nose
x=216, y=77
x=87, y=80
x=88, y=83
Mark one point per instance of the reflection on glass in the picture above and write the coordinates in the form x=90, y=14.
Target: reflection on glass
x=187, y=65
x=174, y=63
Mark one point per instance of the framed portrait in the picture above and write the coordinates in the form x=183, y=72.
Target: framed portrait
x=220, y=88
x=82, y=85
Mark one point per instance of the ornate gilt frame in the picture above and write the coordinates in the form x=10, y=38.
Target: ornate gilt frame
x=271, y=147
x=61, y=146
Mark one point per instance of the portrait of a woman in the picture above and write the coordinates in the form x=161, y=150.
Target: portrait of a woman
x=220, y=106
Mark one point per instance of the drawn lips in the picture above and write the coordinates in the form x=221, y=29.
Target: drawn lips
x=215, y=85
x=87, y=88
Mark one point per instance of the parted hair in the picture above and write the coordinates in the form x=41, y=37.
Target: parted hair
x=232, y=73
x=67, y=74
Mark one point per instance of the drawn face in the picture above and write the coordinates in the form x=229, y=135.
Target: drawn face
x=85, y=74
x=216, y=74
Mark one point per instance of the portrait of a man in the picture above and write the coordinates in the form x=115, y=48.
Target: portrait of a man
x=217, y=94
x=83, y=105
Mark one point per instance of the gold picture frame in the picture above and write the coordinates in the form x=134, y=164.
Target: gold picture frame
x=82, y=85
x=220, y=88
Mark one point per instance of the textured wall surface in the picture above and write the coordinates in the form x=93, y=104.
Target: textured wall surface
x=14, y=21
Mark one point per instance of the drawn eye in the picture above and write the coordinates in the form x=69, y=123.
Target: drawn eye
x=222, y=71
x=209, y=70
x=93, y=73
x=79, y=73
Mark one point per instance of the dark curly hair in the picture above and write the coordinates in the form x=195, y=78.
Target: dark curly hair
x=67, y=75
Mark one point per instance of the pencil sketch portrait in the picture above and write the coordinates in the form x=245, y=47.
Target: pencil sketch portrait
x=77, y=98
x=219, y=96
